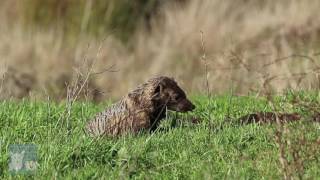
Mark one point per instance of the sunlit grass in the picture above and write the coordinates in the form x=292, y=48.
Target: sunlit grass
x=218, y=147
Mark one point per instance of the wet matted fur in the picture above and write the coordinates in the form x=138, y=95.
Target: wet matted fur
x=141, y=108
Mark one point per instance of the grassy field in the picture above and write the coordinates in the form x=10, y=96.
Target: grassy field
x=216, y=147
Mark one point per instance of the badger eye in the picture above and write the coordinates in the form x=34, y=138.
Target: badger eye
x=177, y=98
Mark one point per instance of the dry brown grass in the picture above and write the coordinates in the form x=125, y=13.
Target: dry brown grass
x=249, y=46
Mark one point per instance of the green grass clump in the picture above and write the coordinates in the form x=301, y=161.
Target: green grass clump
x=217, y=147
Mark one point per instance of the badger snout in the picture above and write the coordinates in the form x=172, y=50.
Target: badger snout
x=185, y=105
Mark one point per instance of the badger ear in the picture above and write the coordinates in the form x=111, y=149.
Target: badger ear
x=157, y=91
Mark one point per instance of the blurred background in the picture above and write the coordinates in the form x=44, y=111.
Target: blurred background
x=111, y=46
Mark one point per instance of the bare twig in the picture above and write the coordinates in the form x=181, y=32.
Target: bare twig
x=291, y=57
x=79, y=84
x=109, y=69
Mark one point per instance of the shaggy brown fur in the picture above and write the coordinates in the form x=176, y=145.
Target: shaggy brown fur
x=141, y=109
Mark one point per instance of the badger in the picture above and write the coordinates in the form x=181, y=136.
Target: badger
x=140, y=109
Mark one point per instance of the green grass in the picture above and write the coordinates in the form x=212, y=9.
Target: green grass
x=218, y=147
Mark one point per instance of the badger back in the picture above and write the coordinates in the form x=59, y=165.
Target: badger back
x=118, y=118
x=131, y=113
x=108, y=121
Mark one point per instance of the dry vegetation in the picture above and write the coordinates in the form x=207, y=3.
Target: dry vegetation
x=249, y=46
